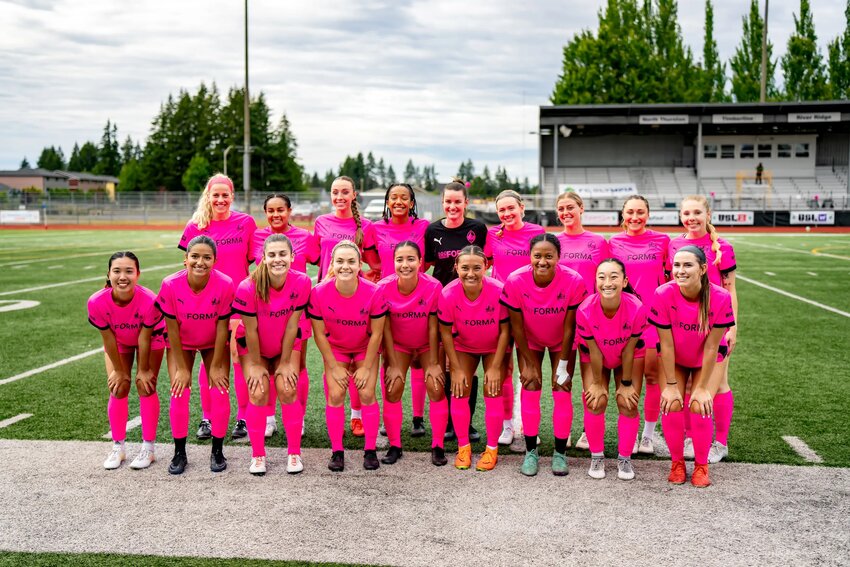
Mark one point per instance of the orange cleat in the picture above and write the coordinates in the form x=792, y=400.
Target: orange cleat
x=464, y=457
x=700, y=476
x=357, y=427
x=488, y=460
x=678, y=474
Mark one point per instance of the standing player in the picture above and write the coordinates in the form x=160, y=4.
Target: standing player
x=610, y=325
x=278, y=208
x=348, y=314
x=131, y=327
x=695, y=215
x=644, y=253
x=232, y=233
x=542, y=299
x=345, y=223
x=692, y=316
x=444, y=239
x=196, y=304
x=271, y=301
x=474, y=328
x=507, y=248
x=411, y=338
x=401, y=222
x=582, y=251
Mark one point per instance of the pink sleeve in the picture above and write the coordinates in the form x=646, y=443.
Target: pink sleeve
x=225, y=308
x=249, y=237
x=579, y=293
x=727, y=260
x=605, y=248
x=509, y=295
x=165, y=300
x=583, y=324
x=245, y=300
x=96, y=315
x=488, y=248
x=445, y=313
x=303, y=294
x=153, y=315
x=503, y=313
x=639, y=322
x=379, y=307
x=658, y=313
x=436, y=293
x=369, y=237
x=312, y=249
x=190, y=232
x=723, y=314
x=314, y=306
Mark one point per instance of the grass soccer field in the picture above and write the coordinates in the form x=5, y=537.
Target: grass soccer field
x=788, y=372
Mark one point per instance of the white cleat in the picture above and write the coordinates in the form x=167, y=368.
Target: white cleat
x=507, y=436
x=143, y=460
x=258, y=466
x=271, y=426
x=597, y=468
x=625, y=470
x=646, y=446
x=115, y=458
x=688, y=452
x=294, y=464
x=582, y=442
x=717, y=453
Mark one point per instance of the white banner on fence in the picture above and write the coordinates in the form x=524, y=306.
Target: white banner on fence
x=812, y=217
x=733, y=218
x=663, y=218
x=737, y=118
x=814, y=117
x=600, y=218
x=19, y=217
x=663, y=119
x=596, y=190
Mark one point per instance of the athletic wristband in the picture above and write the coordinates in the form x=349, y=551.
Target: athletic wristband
x=626, y=382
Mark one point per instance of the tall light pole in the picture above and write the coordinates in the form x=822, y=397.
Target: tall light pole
x=227, y=151
x=246, y=156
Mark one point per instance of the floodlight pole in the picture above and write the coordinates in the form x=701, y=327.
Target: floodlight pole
x=227, y=151
x=246, y=156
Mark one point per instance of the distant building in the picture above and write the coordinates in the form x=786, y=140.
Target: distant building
x=45, y=180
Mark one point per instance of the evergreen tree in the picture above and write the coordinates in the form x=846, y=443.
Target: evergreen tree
x=25, y=164
x=197, y=174
x=410, y=172
x=130, y=178
x=87, y=159
x=839, y=61
x=381, y=173
x=713, y=83
x=51, y=159
x=802, y=64
x=391, y=178
x=283, y=171
x=74, y=160
x=371, y=171
x=746, y=63
x=108, y=153
x=315, y=182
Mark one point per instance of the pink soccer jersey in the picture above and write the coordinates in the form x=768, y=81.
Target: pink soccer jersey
x=544, y=309
x=273, y=315
x=388, y=234
x=475, y=324
x=347, y=319
x=583, y=253
x=232, y=240
x=329, y=230
x=645, y=257
x=304, y=246
x=670, y=310
x=612, y=334
x=409, y=313
x=196, y=313
x=510, y=249
x=715, y=273
x=126, y=322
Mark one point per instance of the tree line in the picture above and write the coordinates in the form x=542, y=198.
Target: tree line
x=637, y=55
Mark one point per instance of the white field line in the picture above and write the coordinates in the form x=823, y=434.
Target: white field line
x=51, y=267
x=84, y=267
x=51, y=366
x=802, y=449
x=770, y=273
x=811, y=273
x=84, y=280
x=16, y=419
x=792, y=296
x=132, y=424
x=783, y=249
x=86, y=255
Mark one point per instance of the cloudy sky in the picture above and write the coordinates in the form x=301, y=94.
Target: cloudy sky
x=437, y=81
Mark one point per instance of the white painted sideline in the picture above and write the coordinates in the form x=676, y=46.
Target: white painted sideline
x=802, y=449
x=84, y=280
x=132, y=424
x=16, y=419
x=87, y=254
x=56, y=364
x=792, y=296
x=794, y=250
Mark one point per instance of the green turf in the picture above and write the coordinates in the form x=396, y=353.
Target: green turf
x=787, y=372
x=11, y=559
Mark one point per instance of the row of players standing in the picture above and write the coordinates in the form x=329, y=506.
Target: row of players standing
x=643, y=252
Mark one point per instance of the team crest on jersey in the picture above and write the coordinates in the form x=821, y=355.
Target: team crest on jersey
x=561, y=296
x=470, y=236
x=364, y=311
x=422, y=302
x=293, y=295
x=654, y=245
x=591, y=245
x=215, y=301
x=489, y=309
x=239, y=227
x=627, y=326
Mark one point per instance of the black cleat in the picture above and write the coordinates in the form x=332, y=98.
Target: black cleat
x=217, y=461
x=204, y=430
x=337, y=462
x=393, y=454
x=418, y=429
x=178, y=463
x=438, y=457
x=240, y=430
x=370, y=460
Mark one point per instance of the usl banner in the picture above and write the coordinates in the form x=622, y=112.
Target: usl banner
x=663, y=218
x=19, y=217
x=600, y=218
x=813, y=217
x=593, y=190
x=733, y=218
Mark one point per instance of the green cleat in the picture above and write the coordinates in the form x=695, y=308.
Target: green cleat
x=559, y=464
x=529, y=464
